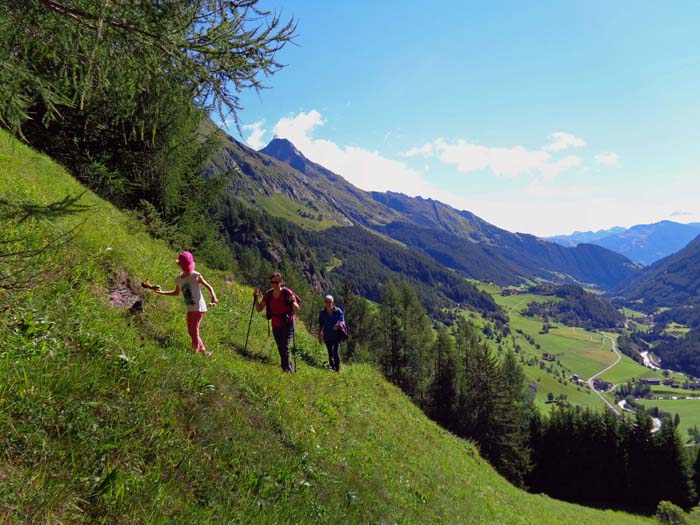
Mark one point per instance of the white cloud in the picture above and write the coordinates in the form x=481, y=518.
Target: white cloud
x=542, y=205
x=510, y=162
x=426, y=150
x=467, y=157
x=560, y=140
x=257, y=132
x=297, y=129
x=365, y=169
x=553, y=169
x=608, y=159
x=504, y=162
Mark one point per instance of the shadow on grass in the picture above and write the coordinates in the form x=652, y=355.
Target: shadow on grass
x=249, y=354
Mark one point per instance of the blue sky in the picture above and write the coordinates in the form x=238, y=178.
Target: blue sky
x=540, y=117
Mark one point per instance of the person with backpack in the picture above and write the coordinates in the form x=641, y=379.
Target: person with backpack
x=331, y=329
x=280, y=305
x=190, y=283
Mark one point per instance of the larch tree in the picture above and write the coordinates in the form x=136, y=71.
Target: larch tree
x=117, y=91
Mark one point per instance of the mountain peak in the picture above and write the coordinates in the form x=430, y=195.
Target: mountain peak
x=282, y=144
x=285, y=151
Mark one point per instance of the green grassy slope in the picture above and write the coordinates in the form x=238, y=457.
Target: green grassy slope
x=106, y=417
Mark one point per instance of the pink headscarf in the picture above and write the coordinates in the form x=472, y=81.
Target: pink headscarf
x=186, y=261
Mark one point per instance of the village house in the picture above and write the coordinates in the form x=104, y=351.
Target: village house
x=601, y=385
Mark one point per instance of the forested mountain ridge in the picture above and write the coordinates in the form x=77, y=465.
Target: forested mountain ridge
x=337, y=255
x=512, y=257
x=326, y=198
x=429, y=213
x=457, y=239
x=671, y=281
x=576, y=307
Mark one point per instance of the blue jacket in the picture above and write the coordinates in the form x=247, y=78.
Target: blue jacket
x=328, y=321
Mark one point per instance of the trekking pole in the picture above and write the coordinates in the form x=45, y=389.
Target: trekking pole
x=245, y=348
x=294, y=346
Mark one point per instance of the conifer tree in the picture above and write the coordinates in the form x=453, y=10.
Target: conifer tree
x=443, y=390
x=117, y=91
x=488, y=408
x=391, y=352
x=484, y=402
x=406, y=338
x=610, y=469
x=672, y=474
x=417, y=342
x=696, y=476
x=515, y=458
x=357, y=318
x=639, y=445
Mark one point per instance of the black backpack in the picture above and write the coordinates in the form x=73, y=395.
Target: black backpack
x=288, y=293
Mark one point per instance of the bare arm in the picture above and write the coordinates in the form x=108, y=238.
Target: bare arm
x=208, y=287
x=176, y=291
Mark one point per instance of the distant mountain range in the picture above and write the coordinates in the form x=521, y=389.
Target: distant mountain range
x=644, y=243
x=282, y=181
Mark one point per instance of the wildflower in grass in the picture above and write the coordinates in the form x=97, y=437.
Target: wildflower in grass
x=127, y=390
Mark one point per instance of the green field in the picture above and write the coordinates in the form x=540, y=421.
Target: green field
x=575, y=350
x=687, y=409
x=583, y=353
x=675, y=330
x=667, y=392
x=628, y=369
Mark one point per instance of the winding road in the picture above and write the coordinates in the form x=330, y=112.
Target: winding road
x=594, y=376
x=656, y=421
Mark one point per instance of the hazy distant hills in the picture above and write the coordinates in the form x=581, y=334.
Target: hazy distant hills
x=280, y=180
x=584, y=237
x=644, y=243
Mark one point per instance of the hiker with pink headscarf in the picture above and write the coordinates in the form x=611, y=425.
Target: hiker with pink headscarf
x=189, y=283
